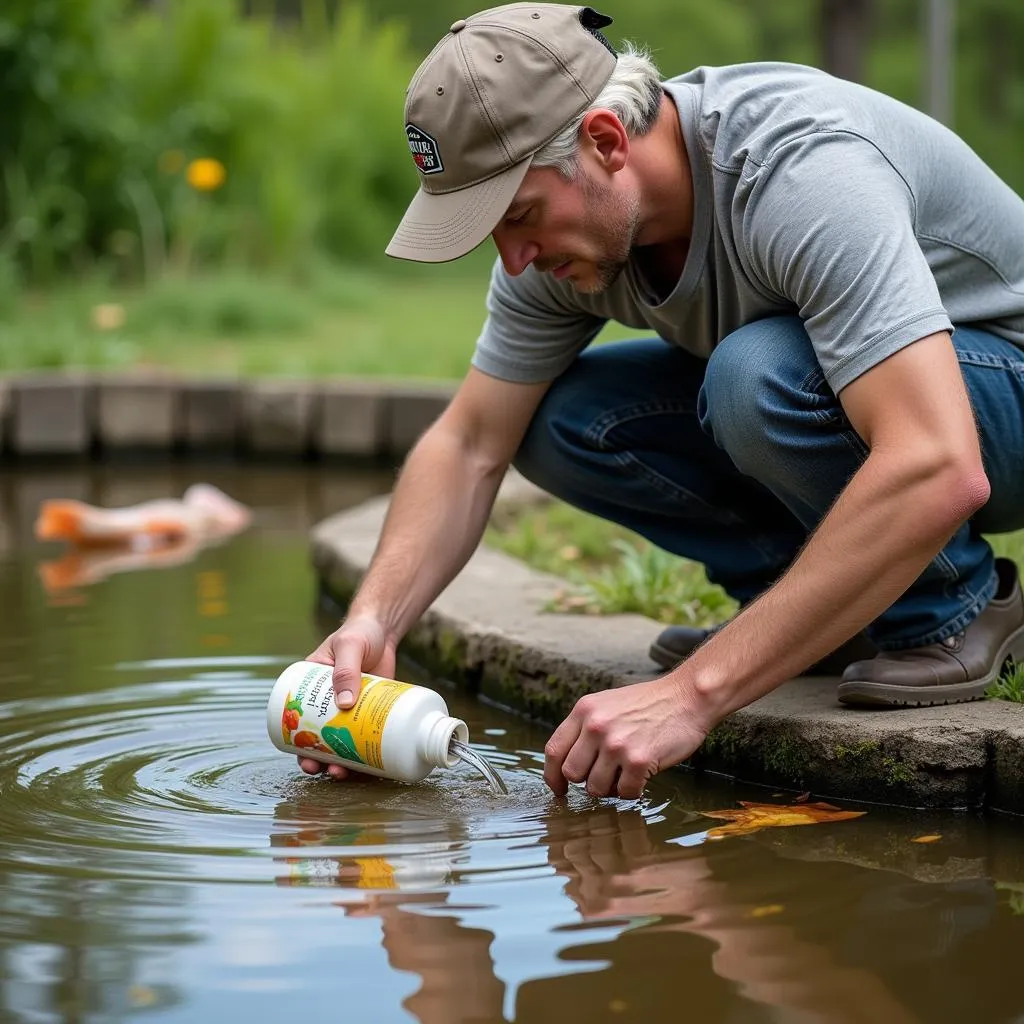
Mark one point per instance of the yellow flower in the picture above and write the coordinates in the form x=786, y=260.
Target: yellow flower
x=171, y=161
x=108, y=316
x=205, y=174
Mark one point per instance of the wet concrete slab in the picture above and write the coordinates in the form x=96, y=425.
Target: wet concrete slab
x=490, y=632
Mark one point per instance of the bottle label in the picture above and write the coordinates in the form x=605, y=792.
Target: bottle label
x=355, y=734
x=361, y=873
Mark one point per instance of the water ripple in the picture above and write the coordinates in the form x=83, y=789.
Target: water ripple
x=175, y=778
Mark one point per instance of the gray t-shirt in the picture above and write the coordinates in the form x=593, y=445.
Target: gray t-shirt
x=812, y=195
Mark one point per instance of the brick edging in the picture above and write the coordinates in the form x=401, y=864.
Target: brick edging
x=78, y=415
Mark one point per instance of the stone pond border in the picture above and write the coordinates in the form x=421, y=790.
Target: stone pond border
x=489, y=632
x=85, y=414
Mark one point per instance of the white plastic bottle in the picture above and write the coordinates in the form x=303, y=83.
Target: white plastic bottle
x=394, y=730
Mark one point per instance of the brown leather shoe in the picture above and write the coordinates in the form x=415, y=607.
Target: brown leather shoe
x=959, y=668
x=676, y=643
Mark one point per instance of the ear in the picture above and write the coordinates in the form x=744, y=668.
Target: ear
x=605, y=137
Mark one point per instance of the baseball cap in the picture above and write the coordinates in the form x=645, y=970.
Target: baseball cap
x=495, y=90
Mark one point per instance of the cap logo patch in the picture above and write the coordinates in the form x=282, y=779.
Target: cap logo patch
x=424, y=150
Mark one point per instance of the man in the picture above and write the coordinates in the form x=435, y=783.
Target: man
x=830, y=414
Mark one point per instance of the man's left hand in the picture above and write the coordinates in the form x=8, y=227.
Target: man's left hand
x=616, y=740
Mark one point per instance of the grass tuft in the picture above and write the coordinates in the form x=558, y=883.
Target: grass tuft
x=608, y=569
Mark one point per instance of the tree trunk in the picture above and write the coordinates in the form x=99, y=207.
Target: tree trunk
x=845, y=27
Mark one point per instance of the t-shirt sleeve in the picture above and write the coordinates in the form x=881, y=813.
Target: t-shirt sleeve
x=532, y=333
x=829, y=225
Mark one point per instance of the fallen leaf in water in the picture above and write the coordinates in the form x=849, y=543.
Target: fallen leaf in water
x=926, y=839
x=771, y=908
x=754, y=817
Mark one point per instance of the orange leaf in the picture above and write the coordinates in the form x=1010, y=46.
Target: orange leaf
x=754, y=817
x=926, y=839
x=767, y=911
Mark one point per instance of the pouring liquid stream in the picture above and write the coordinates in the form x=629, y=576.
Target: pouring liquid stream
x=466, y=753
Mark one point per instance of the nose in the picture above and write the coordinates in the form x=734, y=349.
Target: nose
x=516, y=254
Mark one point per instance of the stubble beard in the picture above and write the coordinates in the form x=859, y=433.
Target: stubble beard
x=613, y=221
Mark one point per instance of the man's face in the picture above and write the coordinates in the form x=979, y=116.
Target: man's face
x=580, y=230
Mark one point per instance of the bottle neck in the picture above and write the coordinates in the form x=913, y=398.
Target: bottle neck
x=436, y=734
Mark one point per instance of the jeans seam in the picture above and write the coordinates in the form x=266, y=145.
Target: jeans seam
x=597, y=432
x=666, y=486
x=952, y=627
x=629, y=460
x=810, y=387
x=972, y=358
x=599, y=428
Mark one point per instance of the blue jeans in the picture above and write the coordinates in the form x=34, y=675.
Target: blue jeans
x=733, y=461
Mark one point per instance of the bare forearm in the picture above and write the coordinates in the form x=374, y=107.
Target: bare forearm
x=874, y=543
x=435, y=521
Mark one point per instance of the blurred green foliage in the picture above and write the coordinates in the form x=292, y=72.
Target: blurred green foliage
x=107, y=101
x=107, y=104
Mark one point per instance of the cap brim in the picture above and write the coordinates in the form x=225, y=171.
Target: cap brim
x=438, y=228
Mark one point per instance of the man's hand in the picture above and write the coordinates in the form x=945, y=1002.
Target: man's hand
x=616, y=740
x=359, y=645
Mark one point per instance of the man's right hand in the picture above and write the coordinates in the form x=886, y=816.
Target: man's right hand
x=359, y=645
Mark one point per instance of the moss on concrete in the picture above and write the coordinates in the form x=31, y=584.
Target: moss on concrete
x=729, y=747
x=724, y=741
x=857, y=752
x=897, y=772
x=868, y=759
x=785, y=757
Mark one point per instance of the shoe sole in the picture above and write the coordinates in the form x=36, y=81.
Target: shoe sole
x=668, y=660
x=865, y=693
x=665, y=658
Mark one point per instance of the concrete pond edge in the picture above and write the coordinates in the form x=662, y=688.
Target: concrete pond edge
x=490, y=633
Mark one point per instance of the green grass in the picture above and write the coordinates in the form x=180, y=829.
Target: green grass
x=1009, y=686
x=383, y=319
x=609, y=570
x=321, y=321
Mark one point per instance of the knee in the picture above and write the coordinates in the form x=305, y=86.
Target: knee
x=754, y=379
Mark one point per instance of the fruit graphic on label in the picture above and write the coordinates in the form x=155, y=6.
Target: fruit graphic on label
x=290, y=717
x=305, y=739
x=289, y=723
x=340, y=740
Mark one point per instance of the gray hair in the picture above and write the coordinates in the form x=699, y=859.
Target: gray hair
x=632, y=94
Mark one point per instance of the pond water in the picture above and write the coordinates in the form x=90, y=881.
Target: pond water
x=161, y=860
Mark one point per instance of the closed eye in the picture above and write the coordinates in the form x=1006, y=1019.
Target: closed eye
x=518, y=218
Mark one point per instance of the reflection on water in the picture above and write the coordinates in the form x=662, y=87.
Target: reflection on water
x=158, y=855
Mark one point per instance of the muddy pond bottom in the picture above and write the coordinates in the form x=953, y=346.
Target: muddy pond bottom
x=161, y=860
